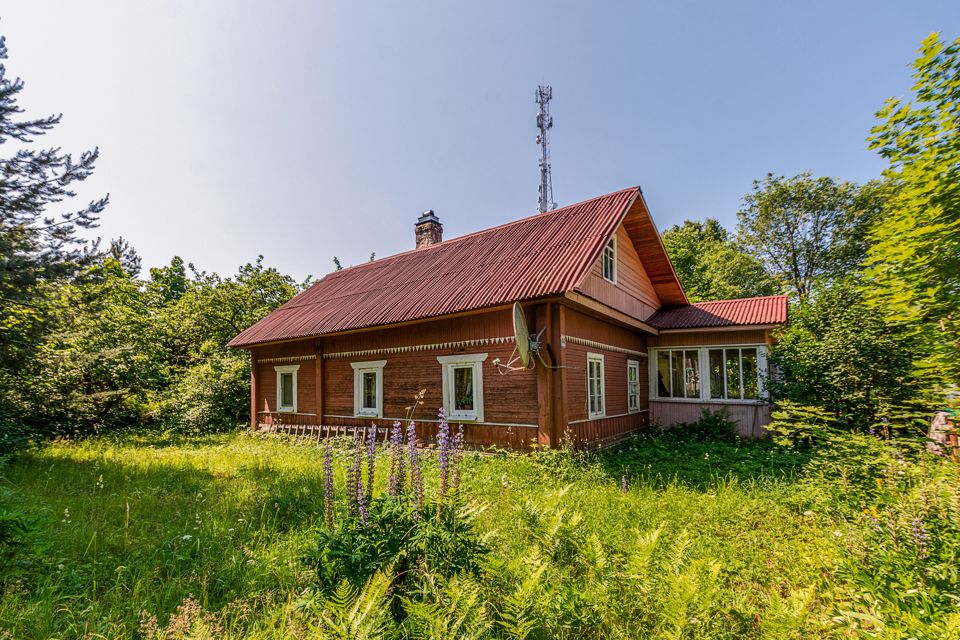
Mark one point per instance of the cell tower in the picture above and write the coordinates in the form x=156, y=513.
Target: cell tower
x=544, y=124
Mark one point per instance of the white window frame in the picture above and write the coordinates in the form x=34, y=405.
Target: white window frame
x=704, y=363
x=593, y=415
x=635, y=365
x=282, y=369
x=611, y=249
x=448, y=364
x=360, y=368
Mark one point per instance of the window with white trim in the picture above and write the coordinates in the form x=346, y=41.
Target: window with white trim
x=610, y=261
x=287, y=387
x=633, y=386
x=463, y=386
x=595, y=396
x=733, y=373
x=678, y=373
x=368, y=388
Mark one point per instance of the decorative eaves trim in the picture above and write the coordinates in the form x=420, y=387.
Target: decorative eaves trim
x=599, y=345
x=284, y=359
x=459, y=344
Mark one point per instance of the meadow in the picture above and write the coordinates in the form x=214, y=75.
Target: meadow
x=661, y=536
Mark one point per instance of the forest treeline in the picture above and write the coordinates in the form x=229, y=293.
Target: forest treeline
x=88, y=342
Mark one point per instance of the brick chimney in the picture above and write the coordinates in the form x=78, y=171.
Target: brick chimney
x=428, y=229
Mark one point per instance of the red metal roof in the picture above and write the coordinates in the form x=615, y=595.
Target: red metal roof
x=543, y=255
x=723, y=313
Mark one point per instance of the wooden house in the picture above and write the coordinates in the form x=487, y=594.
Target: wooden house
x=621, y=347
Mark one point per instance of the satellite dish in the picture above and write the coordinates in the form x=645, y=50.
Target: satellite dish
x=521, y=334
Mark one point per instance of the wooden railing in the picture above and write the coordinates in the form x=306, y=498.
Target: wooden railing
x=306, y=425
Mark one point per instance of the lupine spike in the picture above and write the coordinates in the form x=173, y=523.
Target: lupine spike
x=416, y=474
x=443, y=453
x=362, y=504
x=328, y=485
x=457, y=456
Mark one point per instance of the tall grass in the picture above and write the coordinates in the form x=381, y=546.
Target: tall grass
x=206, y=538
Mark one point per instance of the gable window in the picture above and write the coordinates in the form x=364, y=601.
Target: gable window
x=463, y=386
x=734, y=373
x=595, y=399
x=368, y=388
x=610, y=261
x=633, y=386
x=287, y=388
x=678, y=373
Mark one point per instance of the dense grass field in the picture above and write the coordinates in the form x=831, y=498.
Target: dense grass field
x=205, y=537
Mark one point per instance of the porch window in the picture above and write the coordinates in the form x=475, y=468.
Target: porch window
x=287, y=388
x=610, y=261
x=734, y=373
x=368, y=388
x=595, y=395
x=678, y=373
x=463, y=386
x=633, y=386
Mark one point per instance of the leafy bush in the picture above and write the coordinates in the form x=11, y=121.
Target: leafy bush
x=711, y=426
x=211, y=396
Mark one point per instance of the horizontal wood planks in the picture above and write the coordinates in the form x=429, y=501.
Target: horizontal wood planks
x=750, y=418
x=707, y=337
x=633, y=293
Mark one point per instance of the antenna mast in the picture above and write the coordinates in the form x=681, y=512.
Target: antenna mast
x=544, y=124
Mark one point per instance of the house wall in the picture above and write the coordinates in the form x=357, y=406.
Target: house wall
x=633, y=293
x=751, y=418
x=510, y=400
x=617, y=422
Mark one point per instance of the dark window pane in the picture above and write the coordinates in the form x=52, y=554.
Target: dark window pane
x=463, y=389
x=286, y=389
x=676, y=373
x=716, y=374
x=663, y=374
x=369, y=390
x=733, y=374
x=691, y=373
x=750, y=381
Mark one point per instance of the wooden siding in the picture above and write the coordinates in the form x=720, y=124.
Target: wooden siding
x=306, y=374
x=633, y=293
x=750, y=418
x=707, y=337
x=614, y=378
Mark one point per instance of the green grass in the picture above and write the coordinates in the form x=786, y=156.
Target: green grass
x=125, y=529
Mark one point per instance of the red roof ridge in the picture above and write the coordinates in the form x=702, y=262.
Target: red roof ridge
x=498, y=227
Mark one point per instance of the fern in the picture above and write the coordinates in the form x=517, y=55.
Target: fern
x=357, y=614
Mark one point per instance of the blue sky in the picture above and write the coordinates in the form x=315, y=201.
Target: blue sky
x=303, y=130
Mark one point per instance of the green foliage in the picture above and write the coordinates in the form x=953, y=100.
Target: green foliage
x=441, y=541
x=712, y=426
x=914, y=259
x=805, y=229
x=711, y=266
x=212, y=395
x=837, y=354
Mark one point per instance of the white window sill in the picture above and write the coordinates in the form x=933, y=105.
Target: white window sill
x=286, y=410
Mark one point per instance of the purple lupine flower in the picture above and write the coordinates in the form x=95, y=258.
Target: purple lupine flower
x=457, y=455
x=362, y=504
x=397, y=471
x=328, y=485
x=353, y=476
x=920, y=537
x=416, y=473
x=371, y=459
x=623, y=485
x=443, y=453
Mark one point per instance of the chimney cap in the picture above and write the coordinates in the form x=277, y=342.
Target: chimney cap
x=428, y=216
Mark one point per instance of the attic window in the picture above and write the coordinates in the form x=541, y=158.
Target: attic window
x=610, y=261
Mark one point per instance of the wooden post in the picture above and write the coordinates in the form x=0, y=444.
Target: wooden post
x=319, y=382
x=254, y=389
x=546, y=431
x=559, y=377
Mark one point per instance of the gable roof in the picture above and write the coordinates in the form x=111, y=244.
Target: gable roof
x=543, y=255
x=723, y=313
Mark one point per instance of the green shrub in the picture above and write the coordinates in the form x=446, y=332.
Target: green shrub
x=211, y=396
x=711, y=426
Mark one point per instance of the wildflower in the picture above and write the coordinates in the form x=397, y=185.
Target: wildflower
x=186, y=536
x=416, y=474
x=443, y=453
x=362, y=503
x=623, y=485
x=371, y=459
x=397, y=471
x=328, y=485
x=920, y=537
